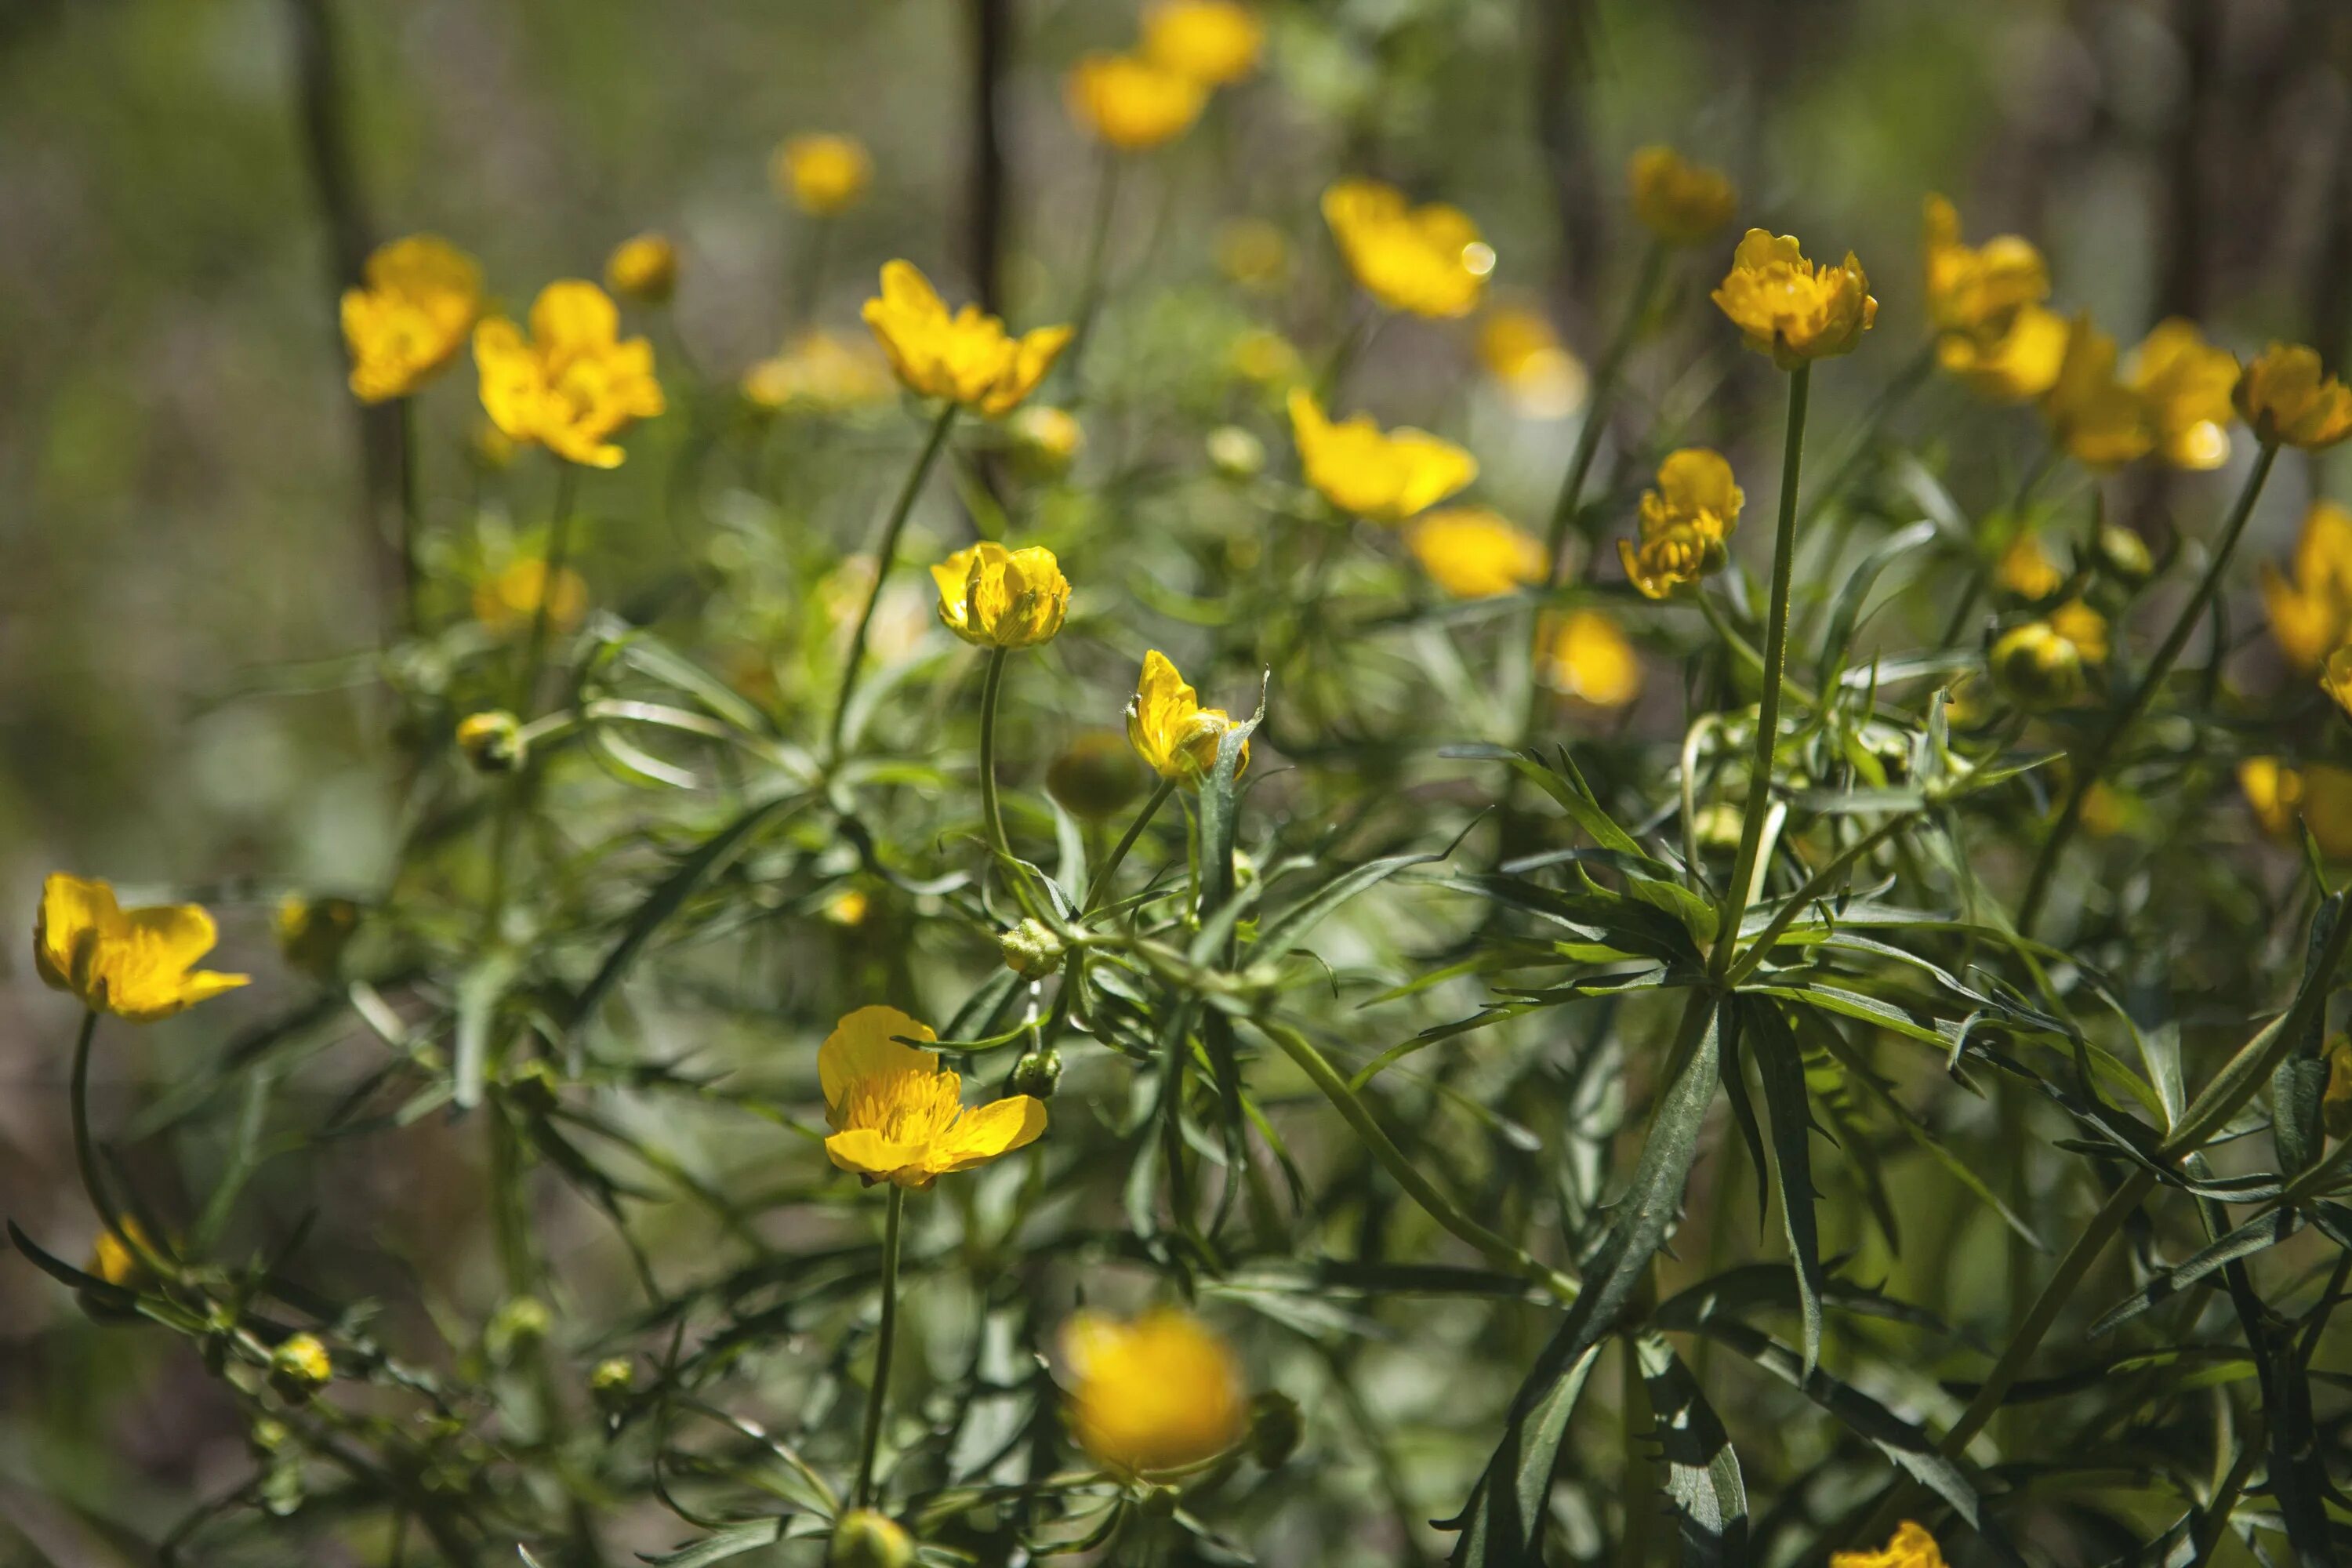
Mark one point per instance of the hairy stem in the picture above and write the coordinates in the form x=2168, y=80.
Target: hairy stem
x=883, y=557
x=885, y=1335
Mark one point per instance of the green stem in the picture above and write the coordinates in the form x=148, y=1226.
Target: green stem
x=2094, y=762
x=1817, y=886
x=412, y=522
x=808, y=270
x=1596, y=408
x=1126, y=842
x=885, y=1336
x=990, y=685
x=559, y=558
x=1090, y=286
x=883, y=557
x=1776, y=662
x=86, y=1156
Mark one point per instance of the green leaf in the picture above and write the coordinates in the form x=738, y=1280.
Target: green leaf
x=1287, y=927
x=2254, y=1236
x=1781, y=1065
x=1845, y=610
x=1501, y=1523
x=1703, y=1483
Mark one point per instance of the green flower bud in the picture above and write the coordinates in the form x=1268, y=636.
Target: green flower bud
x=313, y=932
x=1096, y=777
x=2125, y=554
x=1158, y=1502
x=864, y=1539
x=1046, y=441
x=521, y=1323
x=267, y=1435
x=1235, y=454
x=1276, y=1427
x=492, y=742
x=611, y=1382
x=300, y=1367
x=2036, y=666
x=1037, y=1074
x=1717, y=826
x=1031, y=950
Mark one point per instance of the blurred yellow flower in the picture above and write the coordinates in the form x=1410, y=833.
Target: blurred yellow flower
x=1680, y=202
x=822, y=173
x=410, y=316
x=2105, y=811
x=2036, y=666
x=1170, y=730
x=995, y=597
x=1582, y=655
x=2187, y=383
x=1521, y=350
x=2311, y=615
x=1912, y=1547
x=574, y=384
x=819, y=370
x=2336, y=1099
x=1253, y=253
x=1266, y=358
x=1976, y=291
x=1685, y=522
x=967, y=358
x=135, y=963
x=508, y=600
x=2084, y=628
x=1427, y=261
x=2026, y=570
x=313, y=932
x=899, y=1116
x=2319, y=795
x=1473, y=552
x=2020, y=364
x=848, y=908
x=1046, y=440
x=1131, y=102
x=1381, y=477
x=643, y=267
x=2336, y=677
x=2102, y=423
x=1790, y=307
x=1159, y=1393
x=1213, y=42
x=111, y=1260
x=2289, y=401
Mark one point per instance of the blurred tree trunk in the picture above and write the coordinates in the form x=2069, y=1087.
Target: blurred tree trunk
x=2184, y=278
x=992, y=37
x=334, y=181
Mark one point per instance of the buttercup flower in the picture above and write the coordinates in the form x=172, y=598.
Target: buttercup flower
x=1381, y=477
x=967, y=358
x=2288, y=400
x=1213, y=42
x=2037, y=666
x=1685, y=522
x=2311, y=615
x=1170, y=731
x=1046, y=440
x=1978, y=291
x=643, y=267
x=508, y=601
x=1792, y=309
x=410, y=316
x=2101, y=422
x=574, y=384
x=1131, y=102
x=2026, y=570
x=1911, y=1547
x=1519, y=350
x=138, y=963
x=818, y=370
x=2084, y=628
x=2020, y=364
x=2318, y=794
x=1582, y=655
x=822, y=173
x=897, y=1115
x=2336, y=677
x=1159, y=1393
x=995, y=597
x=1473, y=552
x=1427, y=261
x=1681, y=201
x=2187, y=383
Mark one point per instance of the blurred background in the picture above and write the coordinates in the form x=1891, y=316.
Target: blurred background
x=186, y=665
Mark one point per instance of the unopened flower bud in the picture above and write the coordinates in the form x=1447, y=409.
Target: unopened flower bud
x=267, y=1435
x=1046, y=441
x=864, y=1539
x=1235, y=454
x=492, y=742
x=1037, y=1074
x=1276, y=1426
x=313, y=932
x=1096, y=777
x=1158, y=1502
x=521, y=1323
x=2125, y=554
x=611, y=1382
x=2036, y=666
x=300, y=1367
x=1031, y=950
x=1717, y=826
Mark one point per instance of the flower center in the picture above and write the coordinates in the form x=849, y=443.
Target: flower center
x=911, y=1105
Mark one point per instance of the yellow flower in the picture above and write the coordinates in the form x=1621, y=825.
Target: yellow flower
x=2318, y=794
x=1473, y=553
x=508, y=601
x=2026, y=570
x=1978, y=291
x=115, y=1263
x=2084, y=628
x=1160, y=1393
x=313, y=932
x=1266, y=358
x=2336, y=1099
x=1211, y=41
x=643, y=266
x=1519, y=349
x=1046, y=440
x=1792, y=309
x=995, y=597
x=1170, y=731
x=1131, y=102
x=1911, y=1547
x=2021, y=363
x=822, y=173
x=2037, y=666
x=134, y=963
x=1681, y=201
x=1381, y=477
x=410, y=316
x=1583, y=655
x=2101, y=422
x=2105, y=811
x=1428, y=261
x=1685, y=522
x=2336, y=677
x=818, y=370
x=848, y=908
x=2187, y=383
x=2290, y=401
x=2311, y=617
x=574, y=384
x=899, y=1116
x=967, y=358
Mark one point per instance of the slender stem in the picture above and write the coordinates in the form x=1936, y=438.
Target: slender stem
x=1776, y=663
x=1816, y=886
x=412, y=514
x=1126, y=842
x=990, y=685
x=86, y=1154
x=557, y=560
x=1596, y=407
x=808, y=270
x=885, y=1336
x=1639, y=1486
x=882, y=559
x=1091, y=285
x=2094, y=762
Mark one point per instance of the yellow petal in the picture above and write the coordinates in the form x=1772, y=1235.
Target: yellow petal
x=983, y=1133
x=573, y=315
x=76, y=914
x=861, y=1046
x=867, y=1152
